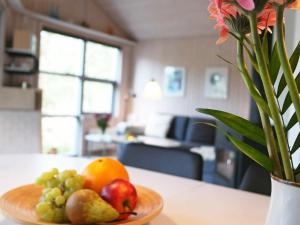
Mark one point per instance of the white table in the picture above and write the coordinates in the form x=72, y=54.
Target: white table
x=186, y=202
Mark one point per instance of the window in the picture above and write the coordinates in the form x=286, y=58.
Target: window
x=77, y=76
x=2, y=31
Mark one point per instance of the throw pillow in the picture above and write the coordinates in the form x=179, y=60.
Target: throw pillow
x=158, y=125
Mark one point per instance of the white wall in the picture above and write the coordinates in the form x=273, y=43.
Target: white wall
x=20, y=132
x=195, y=54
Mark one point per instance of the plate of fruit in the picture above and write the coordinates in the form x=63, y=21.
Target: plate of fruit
x=102, y=194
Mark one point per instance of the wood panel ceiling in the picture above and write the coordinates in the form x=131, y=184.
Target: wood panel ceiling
x=153, y=19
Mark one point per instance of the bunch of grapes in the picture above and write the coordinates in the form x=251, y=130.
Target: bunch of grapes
x=58, y=187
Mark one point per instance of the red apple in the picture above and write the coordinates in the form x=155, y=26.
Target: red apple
x=122, y=195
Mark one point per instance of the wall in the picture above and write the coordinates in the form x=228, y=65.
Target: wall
x=195, y=54
x=20, y=131
x=18, y=21
x=81, y=12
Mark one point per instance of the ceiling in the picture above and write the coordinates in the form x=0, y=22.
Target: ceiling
x=154, y=19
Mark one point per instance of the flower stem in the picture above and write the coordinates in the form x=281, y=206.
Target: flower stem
x=271, y=145
x=286, y=67
x=271, y=98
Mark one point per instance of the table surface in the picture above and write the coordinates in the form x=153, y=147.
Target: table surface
x=186, y=202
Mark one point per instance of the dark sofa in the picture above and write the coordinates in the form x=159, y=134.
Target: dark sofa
x=175, y=161
x=188, y=132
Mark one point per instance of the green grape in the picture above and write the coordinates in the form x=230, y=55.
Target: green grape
x=40, y=181
x=64, y=175
x=60, y=200
x=55, y=192
x=52, y=183
x=66, y=219
x=67, y=194
x=48, y=216
x=79, y=179
x=59, y=215
x=42, y=207
x=47, y=176
x=77, y=187
x=49, y=197
x=58, y=187
x=73, y=173
x=70, y=183
x=55, y=171
x=46, y=190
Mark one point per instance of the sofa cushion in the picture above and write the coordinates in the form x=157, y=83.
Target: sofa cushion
x=200, y=133
x=158, y=125
x=178, y=128
x=160, y=142
x=175, y=161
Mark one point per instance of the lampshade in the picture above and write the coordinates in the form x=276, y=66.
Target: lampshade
x=152, y=90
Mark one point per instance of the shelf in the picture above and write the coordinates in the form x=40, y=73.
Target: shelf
x=14, y=53
x=74, y=27
x=19, y=52
x=17, y=71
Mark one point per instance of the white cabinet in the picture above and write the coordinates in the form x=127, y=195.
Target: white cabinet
x=20, y=120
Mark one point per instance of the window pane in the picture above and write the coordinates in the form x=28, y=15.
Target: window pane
x=60, y=133
x=97, y=97
x=61, y=94
x=61, y=53
x=102, y=61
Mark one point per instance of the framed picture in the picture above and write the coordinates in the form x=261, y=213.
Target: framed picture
x=174, y=81
x=216, y=83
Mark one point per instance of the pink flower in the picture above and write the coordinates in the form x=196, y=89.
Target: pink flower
x=266, y=18
x=223, y=10
x=246, y=4
x=220, y=10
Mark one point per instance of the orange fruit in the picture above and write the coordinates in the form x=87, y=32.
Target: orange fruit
x=103, y=171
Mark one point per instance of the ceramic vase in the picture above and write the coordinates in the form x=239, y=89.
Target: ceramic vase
x=285, y=203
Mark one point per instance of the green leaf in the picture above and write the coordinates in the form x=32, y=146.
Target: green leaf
x=265, y=46
x=292, y=121
x=295, y=57
x=225, y=60
x=251, y=152
x=297, y=170
x=239, y=124
x=288, y=100
x=274, y=64
x=281, y=86
x=287, y=103
x=298, y=81
x=252, y=59
x=296, y=144
x=261, y=102
x=293, y=61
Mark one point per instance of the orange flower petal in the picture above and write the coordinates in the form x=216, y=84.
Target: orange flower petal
x=295, y=5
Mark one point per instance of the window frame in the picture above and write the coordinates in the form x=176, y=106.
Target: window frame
x=83, y=77
x=2, y=36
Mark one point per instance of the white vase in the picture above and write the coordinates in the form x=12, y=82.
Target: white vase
x=285, y=203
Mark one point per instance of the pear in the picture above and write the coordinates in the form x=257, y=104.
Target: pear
x=87, y=207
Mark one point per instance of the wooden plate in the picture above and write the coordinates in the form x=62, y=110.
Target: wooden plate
x=19, y=206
